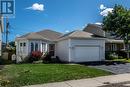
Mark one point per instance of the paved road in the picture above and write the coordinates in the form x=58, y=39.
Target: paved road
x=116, y=69
x=92, y=82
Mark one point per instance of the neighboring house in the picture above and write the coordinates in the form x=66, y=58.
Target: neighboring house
x=1, y=30
x=112, y=43
x=76, y=46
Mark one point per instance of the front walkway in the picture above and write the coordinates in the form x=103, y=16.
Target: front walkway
x=92, y=82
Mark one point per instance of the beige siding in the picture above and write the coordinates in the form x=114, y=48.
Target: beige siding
x=62, y=50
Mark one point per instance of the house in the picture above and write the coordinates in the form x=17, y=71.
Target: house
x=112, y=43
x=76, y=46
x=1, y=30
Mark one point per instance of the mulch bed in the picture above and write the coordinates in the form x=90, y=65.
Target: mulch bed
x=122, y=84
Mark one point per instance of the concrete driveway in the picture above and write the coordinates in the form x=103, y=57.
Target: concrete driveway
x=116, y=69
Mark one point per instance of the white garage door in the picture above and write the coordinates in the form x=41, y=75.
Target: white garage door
x=86, y=53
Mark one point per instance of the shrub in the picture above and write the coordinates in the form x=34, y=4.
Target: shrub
x=4, y=61
x=111, y=56
x=122, y=54
x=35, y=56
x=47, y=57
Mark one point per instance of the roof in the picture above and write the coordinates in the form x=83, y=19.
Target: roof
x=94, y=29
x=50, y=34
x=32, y=36
x=78, y=34
x=114, y=41
x=41, y=35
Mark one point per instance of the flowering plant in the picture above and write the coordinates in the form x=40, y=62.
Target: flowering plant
x=36, y=55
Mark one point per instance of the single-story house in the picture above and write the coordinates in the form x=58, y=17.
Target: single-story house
x=76, y=46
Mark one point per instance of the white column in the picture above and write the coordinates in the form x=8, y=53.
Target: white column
x=41, y=47
x=47, y=47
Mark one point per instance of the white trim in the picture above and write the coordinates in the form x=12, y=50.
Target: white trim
x=69, y=40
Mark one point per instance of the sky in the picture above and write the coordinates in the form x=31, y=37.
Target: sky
x=58, y=15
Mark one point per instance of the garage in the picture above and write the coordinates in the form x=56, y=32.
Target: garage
x=86, y=53
x=80, y=46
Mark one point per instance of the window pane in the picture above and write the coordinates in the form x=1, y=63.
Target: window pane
x=36, y=47
x=32, y=47
x=21, y=44
x=24, y=44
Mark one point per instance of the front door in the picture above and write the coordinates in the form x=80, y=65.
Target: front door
x=52, y=49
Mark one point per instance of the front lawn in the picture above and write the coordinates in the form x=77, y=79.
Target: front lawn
x=30, y=74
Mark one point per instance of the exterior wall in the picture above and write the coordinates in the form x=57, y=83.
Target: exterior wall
x=66, y=48
x=87, y=42
x=21, y=51
x=62, y=50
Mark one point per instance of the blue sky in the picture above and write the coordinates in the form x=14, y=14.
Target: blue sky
x=58, y=15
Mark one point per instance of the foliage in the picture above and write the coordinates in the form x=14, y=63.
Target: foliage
x=111, y=56
x=35, y=56
x=122, y=54
x=30, y=74
x=4, y=61
x=122, y=60
x=4, y=83
x=47, y=58
x=118, y=22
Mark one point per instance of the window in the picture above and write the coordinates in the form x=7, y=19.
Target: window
x=21, y=44
x=43, y=47
x=24, y=44
x=32, y=47
x=36, y=46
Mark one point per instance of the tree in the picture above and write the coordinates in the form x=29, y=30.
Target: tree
x=119, y=22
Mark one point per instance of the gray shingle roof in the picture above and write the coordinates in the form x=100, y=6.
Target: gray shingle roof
x=32, y=36
x=77, y=34
x=41, y=35
x=50, y=34
x=95, y=29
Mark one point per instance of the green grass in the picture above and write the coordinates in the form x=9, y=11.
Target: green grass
x=122, y=60
x=30, y=74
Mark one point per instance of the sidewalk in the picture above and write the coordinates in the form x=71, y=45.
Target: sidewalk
x=92, y=82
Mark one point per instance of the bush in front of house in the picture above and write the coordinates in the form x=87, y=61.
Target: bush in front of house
x=122, y=54
x=4, y=61
x=111, y=55
x=47, y=58
x=35, y=56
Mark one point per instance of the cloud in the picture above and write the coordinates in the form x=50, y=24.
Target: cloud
x=98, y=23
x=105, y=10
x=67, y=31
x=37, y=7
x=102, y=7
